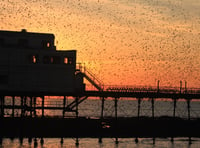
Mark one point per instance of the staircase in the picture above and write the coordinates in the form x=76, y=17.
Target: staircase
x=90, y=77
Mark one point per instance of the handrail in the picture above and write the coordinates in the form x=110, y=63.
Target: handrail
x=90, y=76
x=163, y=89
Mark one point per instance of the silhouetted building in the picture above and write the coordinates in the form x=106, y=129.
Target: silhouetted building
x=30, y=62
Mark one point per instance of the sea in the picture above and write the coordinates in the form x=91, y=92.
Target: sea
x=126, y=108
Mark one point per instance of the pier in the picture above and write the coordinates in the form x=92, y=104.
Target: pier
x=136, y=126
x=32, y=70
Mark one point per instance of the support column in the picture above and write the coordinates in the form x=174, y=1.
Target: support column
x=116, y=122
x=35, y=142
x=42, y=141
x=22, y=106
x=61, y=141
x=2, y=100
x=174, y=110
x=0, y=106
x=64, y=104
x=13, y=106
x=34, y=106
x=29, y=140
x=77, y=142
x=31, y=106
x=152, y=107
x=102, y=113
x=21, y=139
x=42, y=106
x=139, y=103
x=25, y=105
x=188, y=107
x=102, y=106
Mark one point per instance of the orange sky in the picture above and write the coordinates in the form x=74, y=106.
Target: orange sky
x=123, y=42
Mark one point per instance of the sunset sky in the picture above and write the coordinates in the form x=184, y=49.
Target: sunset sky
x=123, y=42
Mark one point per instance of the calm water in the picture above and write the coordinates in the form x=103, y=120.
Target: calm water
x=128, y=108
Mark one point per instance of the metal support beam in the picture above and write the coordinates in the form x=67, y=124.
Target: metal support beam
x=22, y=106
x=25, y=105
x=152, y=107
x=2, y=100
x=154, y=140
x=34, y=106
x=139, y=103
x=77, y=142
x=29, y=140
x=174, y=110
x=42, y=141
x=31, y=106
x=116, y=124
x=61, y=141
x=102, y=106
x=35, y=142
x=64, y=104
x=188, y=107
x=42, y=106
x=116, y=101
x=13, y=106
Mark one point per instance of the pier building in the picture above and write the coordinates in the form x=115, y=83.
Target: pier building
x=30, y=62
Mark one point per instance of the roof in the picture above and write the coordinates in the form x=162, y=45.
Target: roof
x=24, y=33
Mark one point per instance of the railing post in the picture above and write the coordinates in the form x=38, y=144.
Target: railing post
x=158, y=86
x=180, y=87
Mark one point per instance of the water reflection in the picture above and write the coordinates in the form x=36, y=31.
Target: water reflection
x=94, y=142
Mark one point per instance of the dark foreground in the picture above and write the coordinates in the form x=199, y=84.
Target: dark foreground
x=109, y=127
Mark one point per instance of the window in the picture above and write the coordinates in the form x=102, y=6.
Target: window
x=33, y=59
x=51, y=60
x=65, y=60
x=68, y=60
x=46, y=44
x=46, y=60
x=56, y=60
